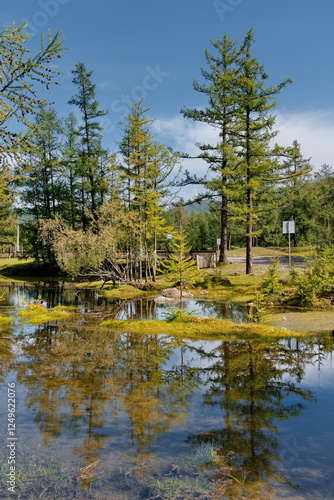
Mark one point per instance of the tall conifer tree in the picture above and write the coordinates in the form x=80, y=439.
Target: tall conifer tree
x=145, y=169
x=222, y=77
x=42, y=192
x=254, y=126
x=90, y=133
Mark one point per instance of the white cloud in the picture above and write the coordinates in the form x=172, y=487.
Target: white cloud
x=185, y=133
x=182, y=135
x=313, y=130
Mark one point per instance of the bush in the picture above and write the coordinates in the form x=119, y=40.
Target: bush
x=271, y=284
x=316, y=281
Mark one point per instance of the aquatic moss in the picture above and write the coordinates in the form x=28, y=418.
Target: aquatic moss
x=200, y=328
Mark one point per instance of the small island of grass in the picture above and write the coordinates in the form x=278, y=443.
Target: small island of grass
x=37, y=313
x=191, y=327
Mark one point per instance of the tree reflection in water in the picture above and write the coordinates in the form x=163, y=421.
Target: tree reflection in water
x=96, y=385
x=81, y=381
x=256, y=385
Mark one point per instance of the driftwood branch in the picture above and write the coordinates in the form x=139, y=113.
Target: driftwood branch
x=111, y=271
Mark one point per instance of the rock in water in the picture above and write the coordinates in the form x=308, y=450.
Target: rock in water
x=164, y=299
x=174, y=293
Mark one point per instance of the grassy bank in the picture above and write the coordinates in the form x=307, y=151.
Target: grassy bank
x=24, y=270
x=242, y=287
x=226, y=283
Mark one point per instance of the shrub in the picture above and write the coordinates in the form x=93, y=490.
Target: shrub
x=316, y=281
x=271, y=284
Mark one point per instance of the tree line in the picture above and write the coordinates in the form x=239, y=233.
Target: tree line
x=83, y=205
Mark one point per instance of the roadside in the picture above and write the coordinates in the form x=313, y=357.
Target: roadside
x=263, y=260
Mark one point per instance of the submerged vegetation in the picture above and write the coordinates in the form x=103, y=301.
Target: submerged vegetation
x=44, y=475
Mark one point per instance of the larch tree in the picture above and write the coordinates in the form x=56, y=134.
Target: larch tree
x=43, y=185
x=145, y=170
x=180, y=265
x=257, y=162
x=243, y=156
x=90, y=133
x=316, y=206
x=298, y=170
x=221, y=78
x=21, y=73
x=71, y=171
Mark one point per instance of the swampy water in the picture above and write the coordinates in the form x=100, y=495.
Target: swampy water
x=123, y=416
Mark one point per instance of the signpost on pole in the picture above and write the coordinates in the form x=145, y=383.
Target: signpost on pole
x=289, y=228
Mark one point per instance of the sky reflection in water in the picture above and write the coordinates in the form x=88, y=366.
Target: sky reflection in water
x=144, y=402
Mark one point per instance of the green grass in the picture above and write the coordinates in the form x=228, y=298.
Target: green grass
x=258, y=252
x=191, y=327
x=273, y=251
x=243, y=288
x=126, y=292
x=16, y=266
x=23, y=270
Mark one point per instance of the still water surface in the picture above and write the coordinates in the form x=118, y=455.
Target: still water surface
x=139, y=417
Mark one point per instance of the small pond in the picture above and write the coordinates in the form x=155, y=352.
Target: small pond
x=123, y=416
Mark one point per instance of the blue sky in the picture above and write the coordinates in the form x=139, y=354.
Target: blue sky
x=155, y=49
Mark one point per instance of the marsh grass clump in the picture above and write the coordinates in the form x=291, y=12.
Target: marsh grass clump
x=37, y=313
x=4, y=319
x=192, y=327
x=192, y=462
x=179, y=488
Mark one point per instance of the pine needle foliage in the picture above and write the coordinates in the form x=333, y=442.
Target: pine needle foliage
x=21, y=73
x=179, y=265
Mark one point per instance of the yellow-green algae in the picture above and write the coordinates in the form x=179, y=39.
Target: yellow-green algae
x=201, y=328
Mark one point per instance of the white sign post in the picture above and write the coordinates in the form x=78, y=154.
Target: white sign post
x=289, y=228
